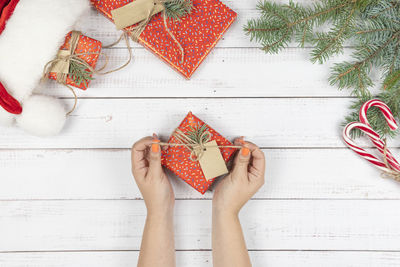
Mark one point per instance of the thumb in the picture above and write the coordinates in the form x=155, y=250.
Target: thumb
x=155, y=168
x=242, y=161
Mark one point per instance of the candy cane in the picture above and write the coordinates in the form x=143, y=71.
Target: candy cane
x=391, y=122
x=360, y=151
x=383, y=107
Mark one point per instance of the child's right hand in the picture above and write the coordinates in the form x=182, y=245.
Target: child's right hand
x=245, y=179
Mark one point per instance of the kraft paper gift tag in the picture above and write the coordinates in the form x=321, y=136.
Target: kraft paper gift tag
x=135, y=12
x=212, y=164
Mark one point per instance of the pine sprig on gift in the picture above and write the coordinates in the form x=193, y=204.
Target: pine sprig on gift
x=371, y=26
x=196, y=134
x=175, y=9
x=79, y=73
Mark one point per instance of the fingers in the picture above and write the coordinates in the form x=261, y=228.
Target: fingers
x=154, y=158
x=146, y=157
x=258, y=161
x=257, y=157
x=242, y=159
x=139, y=153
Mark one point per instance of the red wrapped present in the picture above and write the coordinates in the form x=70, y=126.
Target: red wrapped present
x=197, y=32
x=179, y=160
x=88, y=50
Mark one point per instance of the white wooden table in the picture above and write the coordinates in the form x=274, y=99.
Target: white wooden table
x=71, y=200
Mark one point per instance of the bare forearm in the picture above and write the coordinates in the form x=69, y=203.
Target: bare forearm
x=229, y=247
x=158, y=246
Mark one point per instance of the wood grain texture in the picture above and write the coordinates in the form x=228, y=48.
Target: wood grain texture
x=105, y=174
x=70, y=200
x=203, y=259
x=117, y=123
x=236, y=72
x=268, y=224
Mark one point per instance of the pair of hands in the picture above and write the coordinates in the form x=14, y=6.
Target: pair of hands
x=246, y=177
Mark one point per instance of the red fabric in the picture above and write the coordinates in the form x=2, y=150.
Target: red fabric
x=6, y=9
x=9, y=103
x=177, y=158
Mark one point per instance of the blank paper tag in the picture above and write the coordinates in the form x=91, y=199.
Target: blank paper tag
x=212, y=162
x=134, y=12
x=61, y=66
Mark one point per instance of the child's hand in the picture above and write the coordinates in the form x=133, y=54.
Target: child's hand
x=150, y=177
x=246, y=177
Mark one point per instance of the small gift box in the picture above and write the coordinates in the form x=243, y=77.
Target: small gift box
x=87, y=51
x=188, y=165
x=197, y=33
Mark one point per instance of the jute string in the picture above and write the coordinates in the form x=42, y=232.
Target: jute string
x=390, y=172
x=197, y=148
x=73, y=57
x=137, y=30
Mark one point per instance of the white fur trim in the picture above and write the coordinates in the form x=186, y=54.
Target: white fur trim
x=32, y=38
x=42, y=116
x=6, y=118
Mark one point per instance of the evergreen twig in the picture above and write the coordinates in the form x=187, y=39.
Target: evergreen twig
x=196, y=133
x=372, y=27
x=79, y=73
x=176, y=9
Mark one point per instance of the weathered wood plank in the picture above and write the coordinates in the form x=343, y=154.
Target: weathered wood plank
x=242, y=72
x=105, y=174
x=117, y=123
x=268, y=224
x=204, y=259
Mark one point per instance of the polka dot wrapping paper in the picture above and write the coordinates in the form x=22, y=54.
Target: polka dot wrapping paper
x=197, y=32
x=177, y=158
x=90, y=48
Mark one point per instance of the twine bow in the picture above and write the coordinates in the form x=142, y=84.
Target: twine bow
x=61, y=64
x=197, y=148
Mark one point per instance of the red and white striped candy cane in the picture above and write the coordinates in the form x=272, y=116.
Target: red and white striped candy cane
x=379, y=144
x=360, y=151
x=383, y=107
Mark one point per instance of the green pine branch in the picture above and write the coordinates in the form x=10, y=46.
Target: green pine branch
x=79, y=73
x=371, y=26
x=196, y=134
x=176, y=9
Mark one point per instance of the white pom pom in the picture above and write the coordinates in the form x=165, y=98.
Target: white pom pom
x=42, y=116
x=6, y=118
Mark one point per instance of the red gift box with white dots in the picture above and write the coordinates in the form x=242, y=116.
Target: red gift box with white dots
x=197, y=32
x=177, y=158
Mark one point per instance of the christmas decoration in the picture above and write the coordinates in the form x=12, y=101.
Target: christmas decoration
x=389, y=165
x=197, y=153
x=183, y=43
x=372, y=27
x=79, y=68
x=28, y=41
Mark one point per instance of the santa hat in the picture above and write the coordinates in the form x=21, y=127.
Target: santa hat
x=31, y=32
